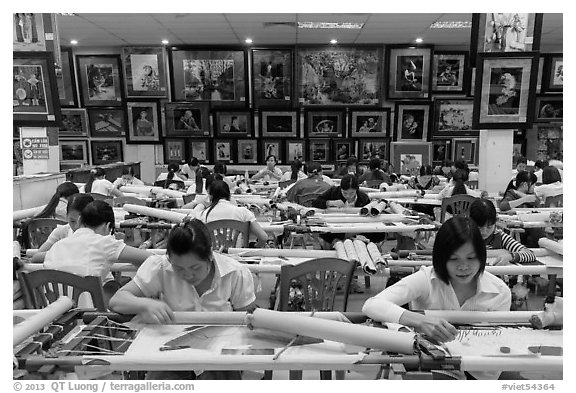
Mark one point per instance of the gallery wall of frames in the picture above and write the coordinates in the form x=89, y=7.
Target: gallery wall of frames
x=410, y=105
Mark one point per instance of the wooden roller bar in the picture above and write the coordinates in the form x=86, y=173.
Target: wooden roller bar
x=156, y=213
x=26, y=213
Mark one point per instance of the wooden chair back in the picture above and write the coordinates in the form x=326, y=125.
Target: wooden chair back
x=225, y=233
x=38, y=230
x=457, y=205
x=554, y=201
x=188, y=198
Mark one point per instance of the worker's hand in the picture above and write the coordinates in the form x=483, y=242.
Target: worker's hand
x=336, y=203
x=437, y=329
x=503, y=260
x=530, y=198
x=157, y=312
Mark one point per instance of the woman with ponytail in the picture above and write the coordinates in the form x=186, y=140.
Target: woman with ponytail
x=458, y=186
x=166, y=179
x=313, y=185
x=295, y=172
x=56, y=207
x=97, y=184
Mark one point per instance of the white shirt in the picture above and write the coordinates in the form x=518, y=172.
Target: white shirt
x=164, y=175
x=288, y=176
x=102, y=186
x=266, y=175
x=549, y=190
x=447, y=192
x=60, y=212
x=59, y=233
x=327, y=180
x=226, y=210
x=120, y=182
x=232, y=286
x=538, y=175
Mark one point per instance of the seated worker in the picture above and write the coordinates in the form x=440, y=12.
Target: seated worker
x=374, y=172
x=98, y=184
x=92, y=250
x=170, y=179
x=425, y=180
x=221, y=169
x=351, y=168
x=188, y=170
x=304, y=190
x=551, y=184
x=483, y=213
x=346, y=194
x=520, y=192
x=521, y=164
x=190, y=277
x=539, y=166
x=295, y=172
x=127, y=178
x=457, y=186
x=57, y=205
x=271, y=172
x=199, y=185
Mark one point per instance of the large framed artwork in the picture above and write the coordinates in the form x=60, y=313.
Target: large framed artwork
x=441, y=150
x=271, y=147
x=145, y=72
x=188, y=119
x=74, y=123
x=339, y=76
x=453, y=117
x=409, y=70
x=343, y=149
x=407, y=157
x=412, y=121
x=74, y=151
x=549, y=108
x=550, y=142
x=107, y=122
x=223, y=151
x=504, y=32
x=28, y=32
x=35, y=101
x=319, y=150
x=368, y=148
x=324, y=123
x=106, y=152
x=100, y=80
x=505, y=85
x=233, y=124
x=217, y=76
x=143, y=122
x=465, y=149
x=272, y=79
x=370, y=123
x=279, y=123
x=65, y=80
x=449, y=72
x=295, y=150
x=200, y=149
x=553, y=73
x=247, y=151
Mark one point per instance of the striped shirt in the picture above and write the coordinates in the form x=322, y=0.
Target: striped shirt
x=520, y=254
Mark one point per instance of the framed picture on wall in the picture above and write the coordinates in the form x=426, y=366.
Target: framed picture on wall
x=74, y=151
x=319, y=150
x=233, y=124
x=339, y=76
x=295, y=150
x=66, y=81
x=370, y=123
x=247, y=151
x=143, y=124
x=275, y=123
x=449, y=72
x=272, y=77
x=408, y=157
x=106, y=152
x=200, y=149
x=409, y=71
x=549, y=108
x=453, y=117
x=174, y=150
x=368, y=148
x=74, y=123
x=343, y=149
x=325, y=124
x=145, y=72
x=505, y=84
x=412, y=121
x=441, y=151
x=28, y=32
x=188, y=119
x=550, y=142
x=554, y=73
x=35, y=101
x=223, y=151
x=107, y=122
x=217, y=76
x=100, y=80
x=271, y=147
x=465, y=149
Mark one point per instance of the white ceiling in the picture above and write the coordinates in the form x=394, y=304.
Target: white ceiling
x=98, y=30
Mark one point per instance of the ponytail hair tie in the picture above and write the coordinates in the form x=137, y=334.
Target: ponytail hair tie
x=93, y=171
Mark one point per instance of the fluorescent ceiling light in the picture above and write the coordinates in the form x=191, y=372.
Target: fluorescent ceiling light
x=329, y=25
x=419, y=40
x=333, y=42
x=451, y=25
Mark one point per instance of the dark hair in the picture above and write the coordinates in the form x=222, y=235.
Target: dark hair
x=193, y=162
x=452, y=235
x=275, y=159
x=192, y=237
x=483, y=212
x=218, y=190
x=352, y=160
x=172, y=169
x=64, y=190
x=550, y=175
x=447, y=163
x=78, y=202
x=348, y=182
x=461, y=164
x=128, y=170
x=295, y=167
x=94, y=173
x=521, y=177
x=313, y=168
x=97, y=213
x=220, y=168
x=201, y=173
x=211, y=178
x=459, y=177
x=521, y=160
x=374, y=163
x=426, y=170
x=541, y=164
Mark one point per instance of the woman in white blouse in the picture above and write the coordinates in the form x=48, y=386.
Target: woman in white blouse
x=270, y=173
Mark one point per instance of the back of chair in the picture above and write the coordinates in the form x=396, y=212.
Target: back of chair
x=554, y=201
x=121, y=201
x=317, y=281
x=99, y=197
x=457, y=205
x=43, y=287
x=307, y=200
x=188, y=198
x=224, y=233
x=38, y=230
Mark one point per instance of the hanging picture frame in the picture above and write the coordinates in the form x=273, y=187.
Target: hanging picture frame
x=412, y=121
x=107, y=122
x=74, y=151
x=174, y=150
x=233, y=124
x=272, y=77
x=453, y=117
x=66, y=81
x=465, y=149
x=200, y=149
x=441, y=151
x=74, y=123
x=549, y=108
x=554, y=73
x=370, y=123
x=409, y=70
x=224, y=150
x=100, y=80
x=279, y=123
x=327, y=123
x=407, y=157
x=368, y=148
x=295, y=150
x=190, y=119
x=343, y=149
x=247, y=151
x=143, y=123
x=319, y=150
x=28, y=32
x=145, y=71
x=450, y=72
x=271, y=147
x=106, y=152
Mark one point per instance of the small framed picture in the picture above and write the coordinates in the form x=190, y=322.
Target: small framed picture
x=223, y=151
x=368, y=148
x=28, y=32
x=200, y=149
x=409, y=71
x=143, y=124
x=233, y=124
x=106, y=152
x=276, y=124
x=465, y=149
x=107, y=122
x=550, y=142
x=325, y=124
x=549, y=108
x=449, y=71
x=74, y=151
x=441, y=151
x=343, y=149
x=412, y=121
x=271, y=147
x=100, y=80
x=74, y=123
x=408, y=157
x=453, y=117
x=319, y=150
x=295, y=150
x=554, y=74
x=66, y=81
x=188, y=119
x=371, y=123
x=145, y=72
x=247, y=151
x=174, y=150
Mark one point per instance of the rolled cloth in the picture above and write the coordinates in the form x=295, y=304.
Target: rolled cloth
x=364, y=257
x=394, y=194
x=375, y=254
x=153, y=212
x=551, y=245
x=283, y=252
x=361, y=335
x=360, y=219
x=365, y=210
x=351, y=251
x=527, y=217
x=302, y=210
x=378, y=208
x=138, y=189
x=26, y=213
x=394, y=187
x=469, y=317
x=340, y=250
x=396, y=208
